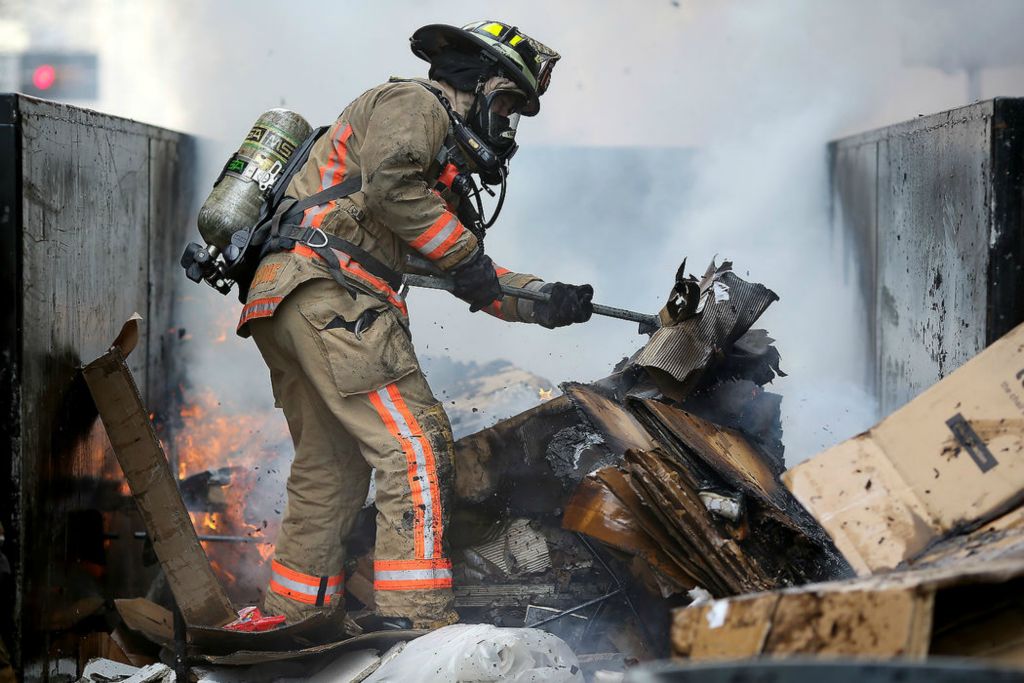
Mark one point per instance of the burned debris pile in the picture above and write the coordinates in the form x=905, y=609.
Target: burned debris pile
x=623, y=498
x=590, y=516
x=645, y=513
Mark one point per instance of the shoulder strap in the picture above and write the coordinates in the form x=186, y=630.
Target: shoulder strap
x=342, y=189
x=295, y=162
x=323, y=244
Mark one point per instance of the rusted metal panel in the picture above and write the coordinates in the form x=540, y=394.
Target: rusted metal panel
x=10, y=362
x=1006, y=263
x=936, y=223
x=171, y=211
x=84, y=244
x=78, y=218
x=854, y=208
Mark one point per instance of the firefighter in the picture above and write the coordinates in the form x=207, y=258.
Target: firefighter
x=333, y=327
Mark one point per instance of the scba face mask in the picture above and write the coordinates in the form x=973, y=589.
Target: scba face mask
x=495, y=117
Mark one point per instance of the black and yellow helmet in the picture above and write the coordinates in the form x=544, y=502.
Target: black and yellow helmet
x=524, y=60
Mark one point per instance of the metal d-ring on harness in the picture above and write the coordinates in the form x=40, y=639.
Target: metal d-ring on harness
x=285, y=232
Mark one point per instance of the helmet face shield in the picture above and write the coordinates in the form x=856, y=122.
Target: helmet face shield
x=495, y=117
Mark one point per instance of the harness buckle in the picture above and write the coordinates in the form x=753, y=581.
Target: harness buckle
x=317, y=231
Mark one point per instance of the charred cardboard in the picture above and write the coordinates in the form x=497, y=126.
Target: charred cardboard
x=196, y=590
x=953, y=607
x=946, y=462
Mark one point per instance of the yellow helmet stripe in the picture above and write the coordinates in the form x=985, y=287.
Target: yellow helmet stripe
x=494, y=29
x=515, y=57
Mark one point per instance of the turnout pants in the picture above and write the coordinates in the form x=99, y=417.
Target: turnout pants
x=355, y=399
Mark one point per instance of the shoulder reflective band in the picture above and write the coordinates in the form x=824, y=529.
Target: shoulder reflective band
x=305, y=588
x=331, y=173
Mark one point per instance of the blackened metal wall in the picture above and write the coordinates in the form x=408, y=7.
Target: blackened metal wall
x=93, y=213
x=930, y=214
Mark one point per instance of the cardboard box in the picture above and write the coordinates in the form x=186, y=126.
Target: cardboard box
x=965, y=603
x=946, y=462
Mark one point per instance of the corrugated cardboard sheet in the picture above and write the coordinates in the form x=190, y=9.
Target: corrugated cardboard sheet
x=198, y=593
x=684, y=350
x=946, y=462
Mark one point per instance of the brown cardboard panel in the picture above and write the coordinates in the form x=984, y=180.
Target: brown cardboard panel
x=724, y=450
x=724, y=629
x=148, y=618
x=865, y=623
x=596, y=511
x=1003, y=537
x=620, y=429
x=955, y=607
x=196, y=590
x=860, y=499
x=869, y=623
x=949, y=460
x=100, y=645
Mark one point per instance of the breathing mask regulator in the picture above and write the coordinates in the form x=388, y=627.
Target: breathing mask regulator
x=485, y=143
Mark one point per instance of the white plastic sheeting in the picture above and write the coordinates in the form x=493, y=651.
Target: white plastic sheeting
x=104, y=670
x=481, y=652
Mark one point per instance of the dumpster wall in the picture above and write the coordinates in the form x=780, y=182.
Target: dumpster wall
x=93, y=213
x=930, y=214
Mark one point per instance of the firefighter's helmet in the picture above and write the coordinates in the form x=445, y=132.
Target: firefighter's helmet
x=524, y=60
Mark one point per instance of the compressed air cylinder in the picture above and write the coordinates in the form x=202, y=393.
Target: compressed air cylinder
x=236, y=199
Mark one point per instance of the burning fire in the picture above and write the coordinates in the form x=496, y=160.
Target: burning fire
x=232, y=466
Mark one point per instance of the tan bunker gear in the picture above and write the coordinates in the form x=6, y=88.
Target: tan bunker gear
x=344, y=370
x=353, y=403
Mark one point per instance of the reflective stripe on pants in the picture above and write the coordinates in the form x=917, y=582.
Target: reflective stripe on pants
x=422, y=473
x=397, y=575
x=305, y=588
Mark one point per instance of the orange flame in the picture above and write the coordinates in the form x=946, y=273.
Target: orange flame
x=211, y=438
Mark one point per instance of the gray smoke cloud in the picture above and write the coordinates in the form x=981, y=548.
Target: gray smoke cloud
x=673, y=129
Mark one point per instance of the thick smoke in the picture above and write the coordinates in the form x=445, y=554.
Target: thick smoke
x=673, y=129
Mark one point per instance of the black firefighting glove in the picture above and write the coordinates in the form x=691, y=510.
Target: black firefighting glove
x=476, y=283
x=569, y=304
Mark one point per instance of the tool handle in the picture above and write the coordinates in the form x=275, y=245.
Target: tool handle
x=446, y=284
